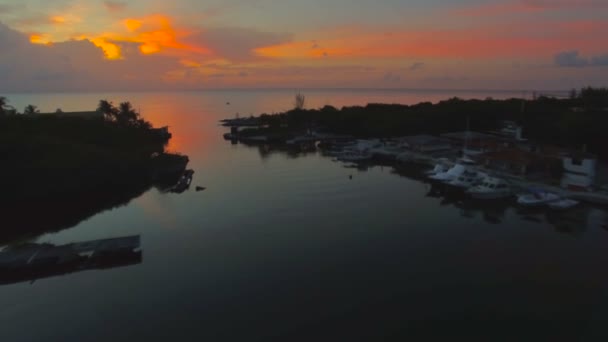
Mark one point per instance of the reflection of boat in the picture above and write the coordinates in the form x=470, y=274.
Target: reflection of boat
x=537, y=198
x=33, y=261
x=354, y=157
x=490, y=188
x=563, y=204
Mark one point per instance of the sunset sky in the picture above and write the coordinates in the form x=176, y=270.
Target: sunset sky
x=65, y=45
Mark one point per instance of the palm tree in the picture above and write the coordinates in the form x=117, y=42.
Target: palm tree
x=141, y=123
x=31, y=109
x=109, y=111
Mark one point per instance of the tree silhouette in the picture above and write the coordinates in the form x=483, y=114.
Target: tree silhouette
x=300, y=101
x=127, y=116
x=3, y=103
x=31, y=109
x=109, y=111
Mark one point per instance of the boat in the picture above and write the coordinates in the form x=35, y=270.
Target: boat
x=452, y=173
x=490, y=188
x=563, y=204
x=440, y=167
x=537, y=198
x=468, y=179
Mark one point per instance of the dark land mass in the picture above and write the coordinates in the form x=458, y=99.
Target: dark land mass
x=59, y=170
x=579, y=120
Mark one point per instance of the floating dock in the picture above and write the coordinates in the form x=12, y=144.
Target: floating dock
x=33, y=261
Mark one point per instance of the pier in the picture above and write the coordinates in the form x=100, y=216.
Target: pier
x=33, y=261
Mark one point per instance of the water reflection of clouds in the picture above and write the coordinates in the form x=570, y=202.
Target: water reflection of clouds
x=158, y=207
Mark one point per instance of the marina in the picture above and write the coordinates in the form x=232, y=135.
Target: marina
x=508, y=163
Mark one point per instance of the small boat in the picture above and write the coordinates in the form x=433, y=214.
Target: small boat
x=537, y=198
x=490, y=188
x=563, y=204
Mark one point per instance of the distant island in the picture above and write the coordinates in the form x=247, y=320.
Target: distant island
x=62, y=167
x=577, y=121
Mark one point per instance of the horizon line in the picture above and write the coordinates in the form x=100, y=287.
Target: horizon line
x=295, y=89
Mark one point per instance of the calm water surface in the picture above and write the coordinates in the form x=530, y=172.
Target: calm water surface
x=287, y=247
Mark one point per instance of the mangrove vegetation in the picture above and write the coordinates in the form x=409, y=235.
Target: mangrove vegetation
x=61, y=168
x=580, y=120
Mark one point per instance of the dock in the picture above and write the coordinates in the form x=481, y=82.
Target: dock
x=33, y=261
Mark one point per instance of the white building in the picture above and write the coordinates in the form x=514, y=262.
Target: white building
x=579, y=171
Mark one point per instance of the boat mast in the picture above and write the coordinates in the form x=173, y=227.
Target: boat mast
x=467, y=137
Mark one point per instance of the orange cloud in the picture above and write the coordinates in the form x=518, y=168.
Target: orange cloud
x=58, y=20
x=39, y=38
x=133, y=24
x=152, y=34
x=302, y=49
x=155, y=34
x=498, y=41
x=111, y=50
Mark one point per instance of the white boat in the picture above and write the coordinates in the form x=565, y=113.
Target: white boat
x=563, y=204
x=454, y=172
x=537, y=198
x=440, y=167
x=490, y=188
x=468, y=179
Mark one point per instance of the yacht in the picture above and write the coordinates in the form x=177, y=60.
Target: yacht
x=442, y=166
x=490, y=188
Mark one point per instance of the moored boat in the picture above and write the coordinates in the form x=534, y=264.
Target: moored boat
x=490, y=188
x=454, y=172
x=441, y=166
